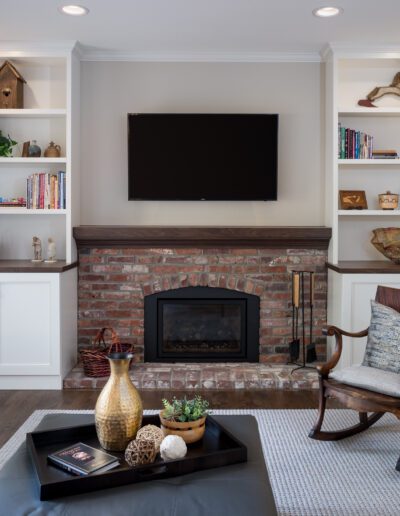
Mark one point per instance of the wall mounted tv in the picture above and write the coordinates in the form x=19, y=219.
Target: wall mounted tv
x=193, y=157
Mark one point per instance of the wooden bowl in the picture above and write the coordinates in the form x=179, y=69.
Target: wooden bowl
x=387, y=242
x=191, y=432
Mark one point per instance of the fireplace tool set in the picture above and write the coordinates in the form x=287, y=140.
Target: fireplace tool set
x=299, y=308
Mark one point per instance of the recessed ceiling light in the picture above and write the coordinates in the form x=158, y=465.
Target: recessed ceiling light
x=327, y=12
x=74, y=10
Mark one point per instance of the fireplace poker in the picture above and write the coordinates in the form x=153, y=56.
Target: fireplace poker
x=294, y=345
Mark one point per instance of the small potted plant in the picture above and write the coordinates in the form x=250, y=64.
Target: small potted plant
x=184, y=417
x=6, y=145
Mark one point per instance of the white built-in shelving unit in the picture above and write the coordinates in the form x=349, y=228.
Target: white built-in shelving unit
x=38, y=303
x=356, y=267
x=50, y=113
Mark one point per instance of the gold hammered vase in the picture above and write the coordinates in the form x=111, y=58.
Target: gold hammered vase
x=119, y=410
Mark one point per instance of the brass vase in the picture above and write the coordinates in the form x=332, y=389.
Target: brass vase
x=119, y=410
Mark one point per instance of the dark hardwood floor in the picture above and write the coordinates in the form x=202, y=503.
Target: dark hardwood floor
x=17, y=406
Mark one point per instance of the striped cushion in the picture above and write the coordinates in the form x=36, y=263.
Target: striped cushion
x=383, y=345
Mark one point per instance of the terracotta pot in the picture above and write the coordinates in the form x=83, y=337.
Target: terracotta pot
x=190, y=432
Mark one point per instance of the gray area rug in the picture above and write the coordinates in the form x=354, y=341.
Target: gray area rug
x=353, y=477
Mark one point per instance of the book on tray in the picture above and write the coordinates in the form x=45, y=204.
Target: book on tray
x=81, y=459
x=46, y=191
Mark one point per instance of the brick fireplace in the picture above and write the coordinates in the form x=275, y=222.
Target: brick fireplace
x=120, y=267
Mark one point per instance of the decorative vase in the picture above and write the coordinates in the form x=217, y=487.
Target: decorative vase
x=52, y=151
x=191, y=431
x=119, y=410
x=34, y=150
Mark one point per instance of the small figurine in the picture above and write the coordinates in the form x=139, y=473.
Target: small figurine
x=37, y=249
x=51, y=251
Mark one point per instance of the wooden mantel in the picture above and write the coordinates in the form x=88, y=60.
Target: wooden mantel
x=304, y=237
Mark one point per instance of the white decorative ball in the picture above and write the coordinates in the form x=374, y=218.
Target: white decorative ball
x=173, y=447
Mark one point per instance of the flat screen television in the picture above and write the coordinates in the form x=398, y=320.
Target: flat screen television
x=213, y=157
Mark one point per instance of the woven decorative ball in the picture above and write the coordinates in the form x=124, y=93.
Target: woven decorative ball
x=139, y=453
x=151, y=433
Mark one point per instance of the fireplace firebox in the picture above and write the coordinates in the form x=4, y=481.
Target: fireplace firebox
x=201, y=324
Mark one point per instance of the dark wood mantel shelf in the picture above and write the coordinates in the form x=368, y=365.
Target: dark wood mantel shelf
x=365, y=267
x=301, y=237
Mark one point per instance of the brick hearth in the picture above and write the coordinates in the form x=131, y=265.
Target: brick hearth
x=205, y=376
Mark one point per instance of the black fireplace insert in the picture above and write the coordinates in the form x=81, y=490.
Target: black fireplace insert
x=201, y=324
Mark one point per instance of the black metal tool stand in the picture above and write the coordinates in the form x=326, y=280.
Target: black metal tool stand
x=299, y=303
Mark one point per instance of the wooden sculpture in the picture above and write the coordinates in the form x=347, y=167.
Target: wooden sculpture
x=380, y=91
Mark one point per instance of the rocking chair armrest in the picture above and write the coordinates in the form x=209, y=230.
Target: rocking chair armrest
x=324, y=369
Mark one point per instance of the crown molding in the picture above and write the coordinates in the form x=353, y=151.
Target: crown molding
x=201, y=57
x=357, y=50
x=37, y=48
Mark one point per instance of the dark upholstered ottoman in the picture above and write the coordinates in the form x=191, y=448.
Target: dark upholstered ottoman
x=237, y=490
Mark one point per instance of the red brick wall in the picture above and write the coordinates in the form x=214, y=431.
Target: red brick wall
x=113, y=283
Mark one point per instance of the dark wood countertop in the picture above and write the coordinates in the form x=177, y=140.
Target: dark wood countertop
x=365, y=267
x=28, y=266
x=309, y=237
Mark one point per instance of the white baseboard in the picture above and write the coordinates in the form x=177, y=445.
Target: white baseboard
x=53, y=382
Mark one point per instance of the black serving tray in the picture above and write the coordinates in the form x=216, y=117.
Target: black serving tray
x=217, y=448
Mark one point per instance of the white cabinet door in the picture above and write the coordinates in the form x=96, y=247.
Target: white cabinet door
x=349, y=307
x=29, y=324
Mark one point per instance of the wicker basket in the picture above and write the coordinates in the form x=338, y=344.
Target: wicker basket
x=94, y=359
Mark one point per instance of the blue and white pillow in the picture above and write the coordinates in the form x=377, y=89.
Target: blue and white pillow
x=383, y=345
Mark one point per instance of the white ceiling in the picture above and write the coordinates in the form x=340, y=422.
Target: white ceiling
x=189, y=27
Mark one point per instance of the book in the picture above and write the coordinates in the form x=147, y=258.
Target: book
x=354, y=144
x=46, y=191
x=81, y=459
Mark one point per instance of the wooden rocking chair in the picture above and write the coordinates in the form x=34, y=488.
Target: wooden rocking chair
x=361, y=400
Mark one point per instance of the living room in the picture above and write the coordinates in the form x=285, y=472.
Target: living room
x=191, y=234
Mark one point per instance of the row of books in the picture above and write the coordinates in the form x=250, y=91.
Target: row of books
x=46, y=191
x=354, y=144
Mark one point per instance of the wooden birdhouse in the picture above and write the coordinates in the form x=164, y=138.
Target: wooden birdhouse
x=11, y=87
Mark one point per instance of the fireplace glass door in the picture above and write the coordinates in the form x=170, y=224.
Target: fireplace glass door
x=202, y=327
x=201, y=324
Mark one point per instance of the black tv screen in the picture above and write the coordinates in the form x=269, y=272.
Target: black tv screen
x=215, y=157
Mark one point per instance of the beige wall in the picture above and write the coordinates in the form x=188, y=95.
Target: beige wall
x=110, y=90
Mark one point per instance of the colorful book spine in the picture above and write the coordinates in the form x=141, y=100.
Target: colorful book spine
x=354, y=144
x=46, y=191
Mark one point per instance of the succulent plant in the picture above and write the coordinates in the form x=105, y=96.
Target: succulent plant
x=185, y=410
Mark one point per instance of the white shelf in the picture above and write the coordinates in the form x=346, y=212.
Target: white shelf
x=25, y=211
x=358, y=162
x=366, y=213
x=33, y=113
x=36, y=161
x=365, y=111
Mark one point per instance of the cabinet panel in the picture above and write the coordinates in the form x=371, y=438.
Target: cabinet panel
x=349, y=307
x=29, y=322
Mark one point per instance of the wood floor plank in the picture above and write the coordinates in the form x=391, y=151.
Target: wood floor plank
x=17, y=406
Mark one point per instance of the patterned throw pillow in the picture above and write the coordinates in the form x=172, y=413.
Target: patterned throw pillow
x=383, y=345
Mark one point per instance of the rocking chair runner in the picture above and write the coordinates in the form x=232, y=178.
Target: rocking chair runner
x=361, y=400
